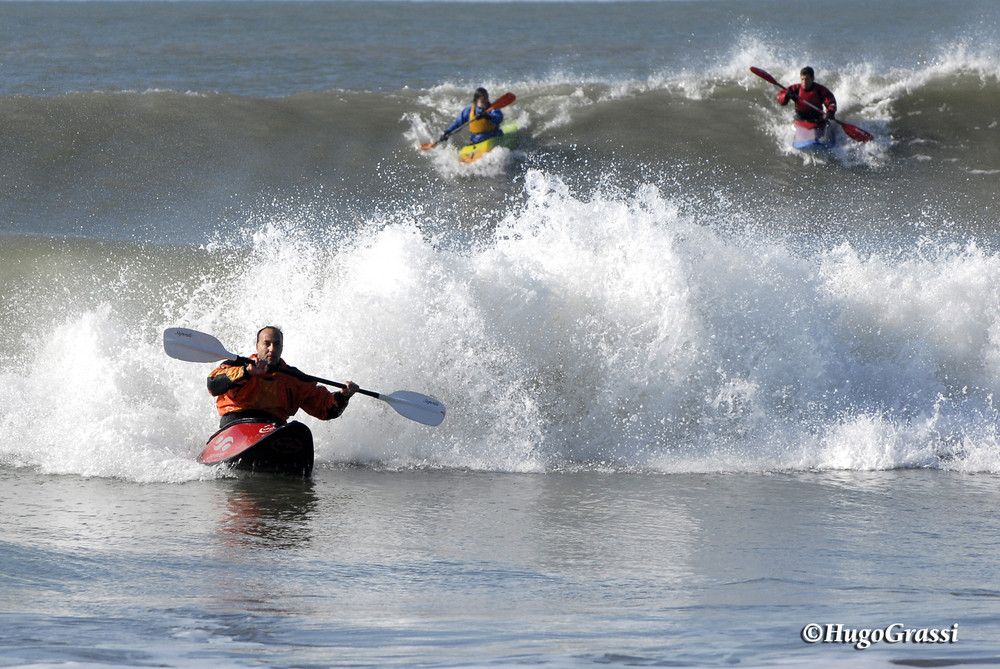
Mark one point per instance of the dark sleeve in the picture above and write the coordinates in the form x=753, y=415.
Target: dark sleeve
x=224, y=378
x=340, y=403
x=829, y=100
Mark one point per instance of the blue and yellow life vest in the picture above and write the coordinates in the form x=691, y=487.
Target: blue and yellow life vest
x=481, y=125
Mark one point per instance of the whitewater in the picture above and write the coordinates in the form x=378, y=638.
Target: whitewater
x=611, y=332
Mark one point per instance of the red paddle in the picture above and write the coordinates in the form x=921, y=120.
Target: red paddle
x=853, y=131
x=502, y=101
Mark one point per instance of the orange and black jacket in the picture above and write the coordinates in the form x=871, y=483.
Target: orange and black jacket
x=275, y=396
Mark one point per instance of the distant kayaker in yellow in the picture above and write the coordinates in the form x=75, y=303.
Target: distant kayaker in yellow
x=482, y=124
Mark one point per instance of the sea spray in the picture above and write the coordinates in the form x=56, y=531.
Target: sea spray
x=611, y=329
x=607, y=330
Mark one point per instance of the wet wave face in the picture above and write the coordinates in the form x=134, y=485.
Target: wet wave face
x=175, y=167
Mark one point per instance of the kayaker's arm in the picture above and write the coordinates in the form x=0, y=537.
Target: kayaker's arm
x=316, y=400
x=786, y=95
x=225, y=377
x=341, y=401
x=495, y=116
x=829, y=101
x=459, y=122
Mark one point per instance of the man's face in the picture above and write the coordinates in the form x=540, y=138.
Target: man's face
x=269, y=346
x=807, y=81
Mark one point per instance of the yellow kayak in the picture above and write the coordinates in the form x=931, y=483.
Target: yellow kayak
x=473, y=152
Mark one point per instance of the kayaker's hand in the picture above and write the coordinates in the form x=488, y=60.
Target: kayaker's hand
x=442, y=138
x=350, y=388
x=256, y=368
x=831, y=113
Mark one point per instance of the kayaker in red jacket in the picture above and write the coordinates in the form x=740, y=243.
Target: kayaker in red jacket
x=255, y=391
x=809, y=92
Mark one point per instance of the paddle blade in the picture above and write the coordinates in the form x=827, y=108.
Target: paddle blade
x=765, y=76
x=428, y=145
x=856, y=133
x=502, y=101
x=421, y=408
x=194, y=346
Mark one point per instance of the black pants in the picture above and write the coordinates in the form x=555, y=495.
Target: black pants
x=249, y=416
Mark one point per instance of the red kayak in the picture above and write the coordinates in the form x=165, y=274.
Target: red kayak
x=262, y=447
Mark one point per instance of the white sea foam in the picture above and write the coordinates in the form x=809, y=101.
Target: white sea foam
x=601, y=331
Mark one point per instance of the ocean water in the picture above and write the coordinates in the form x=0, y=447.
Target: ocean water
x=703, y=390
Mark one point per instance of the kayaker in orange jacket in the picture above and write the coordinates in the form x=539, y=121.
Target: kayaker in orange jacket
x=256, y=391
x=806, y=93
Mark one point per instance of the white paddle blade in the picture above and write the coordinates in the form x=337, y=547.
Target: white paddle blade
x=415, y=406
x=194, y=346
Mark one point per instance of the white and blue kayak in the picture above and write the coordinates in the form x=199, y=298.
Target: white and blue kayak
x=813, y=136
